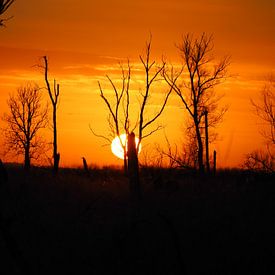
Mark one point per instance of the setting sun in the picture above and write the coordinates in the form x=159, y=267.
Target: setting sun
x=116, y=147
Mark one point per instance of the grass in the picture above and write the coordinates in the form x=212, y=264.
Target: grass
x=186, y=224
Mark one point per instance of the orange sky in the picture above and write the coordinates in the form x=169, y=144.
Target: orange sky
x=84, y=40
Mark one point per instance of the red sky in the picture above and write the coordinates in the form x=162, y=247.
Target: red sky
x=84, y=41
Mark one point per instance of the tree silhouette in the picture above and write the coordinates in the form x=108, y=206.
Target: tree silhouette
x=4, y=5
x=118, y=120
x=25, y=118
x=119, y=115
x=184, y=157
x=264, y=109
x=119, y=112
x=54, y=96
x=153, y=73
x=196, y=91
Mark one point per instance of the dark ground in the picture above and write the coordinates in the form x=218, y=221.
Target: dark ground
x=79, y=224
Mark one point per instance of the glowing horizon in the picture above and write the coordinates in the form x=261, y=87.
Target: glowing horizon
x=81, y=52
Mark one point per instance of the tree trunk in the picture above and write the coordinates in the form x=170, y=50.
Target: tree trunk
x=125, y=166
x=215, y=162
x=27, y=162
x=133, y=169
x=200, y=148
x=56, y=155
x=206, y=143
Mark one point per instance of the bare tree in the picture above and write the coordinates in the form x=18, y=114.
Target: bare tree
x=4, y=5
x=54, y=97
x=153, y=73
x=119, y=112
x=264, y=109
x=118, y=117
x=196, y=90
x=25, y=118
x=259, y=160
x=184, y=157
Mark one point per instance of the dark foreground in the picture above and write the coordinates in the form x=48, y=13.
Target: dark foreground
x=79, y=224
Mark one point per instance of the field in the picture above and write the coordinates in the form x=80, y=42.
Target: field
x=185, y=224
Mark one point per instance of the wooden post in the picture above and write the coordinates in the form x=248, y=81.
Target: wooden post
x=85, y=166
x=206, y=142
x=215, y=162
x=133, y=169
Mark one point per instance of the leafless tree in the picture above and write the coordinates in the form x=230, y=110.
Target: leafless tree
x=53, y=93
x=119, y=112
x=153, y=73
x=259, y=160
x=4, y=5
x=264, y=109
x=25, y=118
x=198, y=78
x=184, y=156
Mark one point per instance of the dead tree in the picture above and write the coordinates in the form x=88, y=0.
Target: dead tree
x=120, y=108
x=259, y=160
x=4, y=5
x=54, y=96
x=196, y=92
x=264, y=109
x=174, y=157
x=153, y=74
x=118, y=118
x=25, y=119
x=264, y=160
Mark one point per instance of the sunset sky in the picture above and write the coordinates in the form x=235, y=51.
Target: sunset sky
x=84, y=40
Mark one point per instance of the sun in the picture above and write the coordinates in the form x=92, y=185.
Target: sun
x=116, y=147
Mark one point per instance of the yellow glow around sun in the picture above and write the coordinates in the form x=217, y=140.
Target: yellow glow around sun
x=116, y=147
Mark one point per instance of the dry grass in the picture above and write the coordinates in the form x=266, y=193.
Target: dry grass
x=186, y=224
